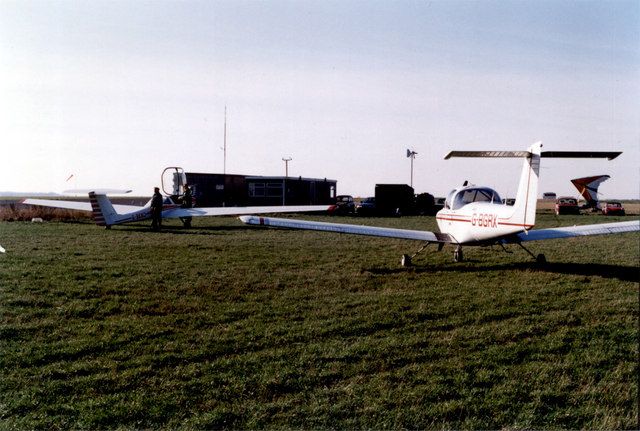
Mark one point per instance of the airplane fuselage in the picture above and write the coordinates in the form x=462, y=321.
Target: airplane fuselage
x=144, y=214
x=479, y=222
x=477, y=215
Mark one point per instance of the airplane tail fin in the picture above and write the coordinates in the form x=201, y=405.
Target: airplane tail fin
x=524, y=209
x=103, y=212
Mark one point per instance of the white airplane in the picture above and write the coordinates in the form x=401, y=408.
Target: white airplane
x=107, y=214
x=476, y=216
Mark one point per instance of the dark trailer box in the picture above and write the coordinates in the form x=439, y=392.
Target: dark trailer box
x=394, y=199
x=217, y=190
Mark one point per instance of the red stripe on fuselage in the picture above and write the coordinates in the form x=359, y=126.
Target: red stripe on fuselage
x=454, y=219
x=526, y=226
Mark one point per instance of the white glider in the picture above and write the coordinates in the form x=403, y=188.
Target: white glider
x=107, y=214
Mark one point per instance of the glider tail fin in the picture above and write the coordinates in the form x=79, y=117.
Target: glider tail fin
x=103, y=212
x=588, y=188
x=527, y=198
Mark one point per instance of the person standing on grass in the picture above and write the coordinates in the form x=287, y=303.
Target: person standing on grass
x=187, y=202
x=156, y=209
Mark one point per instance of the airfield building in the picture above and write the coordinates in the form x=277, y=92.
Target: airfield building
x=217, y=190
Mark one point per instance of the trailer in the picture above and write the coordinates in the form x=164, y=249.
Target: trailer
x=394, y=199
x=218, y=190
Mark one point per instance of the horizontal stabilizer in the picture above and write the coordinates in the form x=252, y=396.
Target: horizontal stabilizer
x=487, y=154
x=418, y=235
x=610, y=155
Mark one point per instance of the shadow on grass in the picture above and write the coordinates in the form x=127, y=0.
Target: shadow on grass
x=622, y=273
x=179, y=230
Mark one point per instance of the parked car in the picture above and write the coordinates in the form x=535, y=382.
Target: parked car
x=567, y=205
x=366, y=207
x=344, y=205
x=612, y=208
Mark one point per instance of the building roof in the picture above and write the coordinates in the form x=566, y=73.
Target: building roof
x=281, y=178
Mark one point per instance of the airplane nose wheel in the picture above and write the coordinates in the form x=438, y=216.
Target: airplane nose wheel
x=457, y=255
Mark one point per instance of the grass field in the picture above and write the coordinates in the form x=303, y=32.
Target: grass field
x=230, y=326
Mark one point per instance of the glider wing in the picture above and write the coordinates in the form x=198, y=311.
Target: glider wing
x=75, y=205
x=229, y=211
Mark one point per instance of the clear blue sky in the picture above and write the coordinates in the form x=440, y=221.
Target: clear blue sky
x=114, y=91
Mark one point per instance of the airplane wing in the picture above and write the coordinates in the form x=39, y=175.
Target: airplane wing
x=75, y=205
x=573, y=231
x=2, y=250
x=419, y=235
x=225, y=211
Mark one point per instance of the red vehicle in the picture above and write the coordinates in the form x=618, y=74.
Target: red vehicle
x=567, y=205
x=612, y=208
x=344, y=205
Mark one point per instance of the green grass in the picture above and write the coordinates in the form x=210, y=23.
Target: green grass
x=229, y=326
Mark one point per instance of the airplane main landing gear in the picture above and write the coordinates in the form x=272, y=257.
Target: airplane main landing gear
x=457, y=255
x=540, y=258
x=405, y=261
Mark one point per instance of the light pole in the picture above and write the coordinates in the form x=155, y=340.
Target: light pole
x=286, y=161
x=412, y=155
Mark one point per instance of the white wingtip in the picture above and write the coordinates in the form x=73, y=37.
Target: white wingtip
x=2, y=250
x=98, y=191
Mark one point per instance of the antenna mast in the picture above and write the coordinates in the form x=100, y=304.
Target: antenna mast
x=412, y=155
x=224, y=166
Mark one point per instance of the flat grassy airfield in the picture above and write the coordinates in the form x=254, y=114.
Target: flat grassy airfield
x=230, y=326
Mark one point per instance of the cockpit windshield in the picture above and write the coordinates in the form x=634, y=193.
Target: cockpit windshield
x=476, y=194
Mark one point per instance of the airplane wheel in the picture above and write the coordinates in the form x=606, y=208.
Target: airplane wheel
x=406, y=260
x=457, y=255
x=541, y=259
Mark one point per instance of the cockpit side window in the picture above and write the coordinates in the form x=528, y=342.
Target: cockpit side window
x=448, y=201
